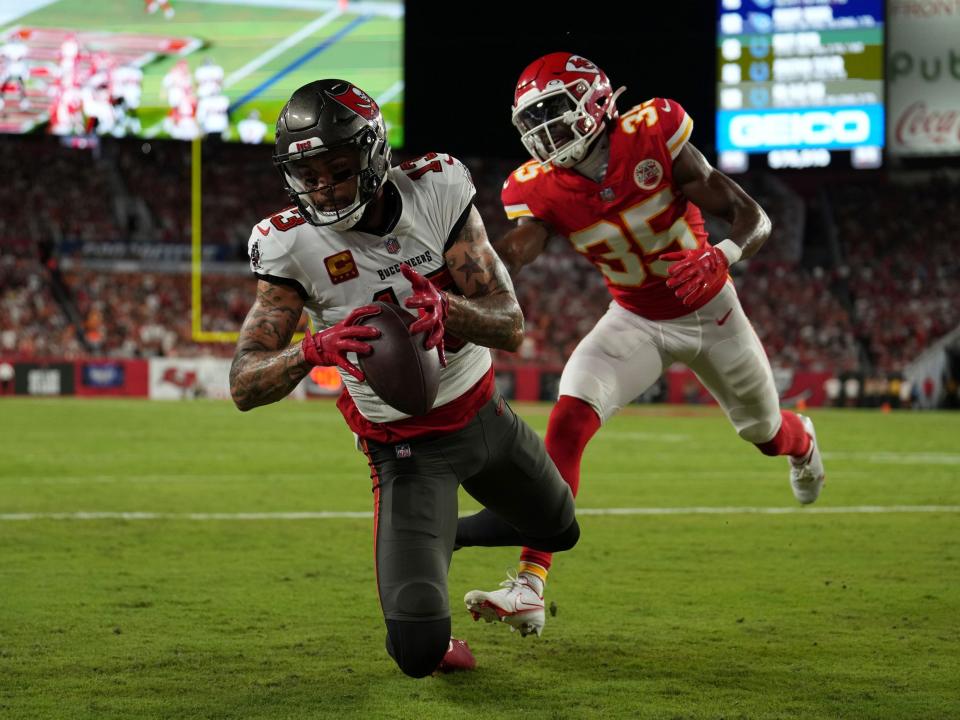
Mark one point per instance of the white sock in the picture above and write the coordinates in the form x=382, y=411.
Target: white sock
x=534, y=582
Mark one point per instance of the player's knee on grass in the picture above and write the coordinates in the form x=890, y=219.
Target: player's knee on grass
x=418, y=647
x=420, y=600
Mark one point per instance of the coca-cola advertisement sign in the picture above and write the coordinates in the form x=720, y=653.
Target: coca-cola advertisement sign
x=923, y=68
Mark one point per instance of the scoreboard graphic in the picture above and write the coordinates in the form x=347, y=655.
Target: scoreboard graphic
x=798, y=80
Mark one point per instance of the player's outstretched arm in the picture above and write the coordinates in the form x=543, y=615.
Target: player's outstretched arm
x=522, y=244
x=712, y=191
x=264, y=369
x=488, y=312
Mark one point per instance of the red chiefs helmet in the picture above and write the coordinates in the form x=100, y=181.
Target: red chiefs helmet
x=561, y=103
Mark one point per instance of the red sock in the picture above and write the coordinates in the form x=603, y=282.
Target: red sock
x=791, y=439
x=572, y=423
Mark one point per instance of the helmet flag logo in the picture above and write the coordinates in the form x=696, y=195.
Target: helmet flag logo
x=580, y=64
x=358, y=101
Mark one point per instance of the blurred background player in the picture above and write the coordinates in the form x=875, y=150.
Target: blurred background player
x=68, y=55
x=212, y=115
x=98, y=100
x=252, y=129
x=209, y=78
x=181, y=119
x=627, y=193
x=13, y=74
x=355, y=220
x=127, y=89
x=152, y=6
x=212, y=104
x=177, y=83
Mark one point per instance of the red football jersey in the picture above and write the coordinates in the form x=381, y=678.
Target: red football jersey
x=622, y=224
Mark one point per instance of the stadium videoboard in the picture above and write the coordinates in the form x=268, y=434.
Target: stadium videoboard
x=188, y=68
x=799, y=80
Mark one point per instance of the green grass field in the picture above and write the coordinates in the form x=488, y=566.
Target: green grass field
x=734, y=614
x=365, y=47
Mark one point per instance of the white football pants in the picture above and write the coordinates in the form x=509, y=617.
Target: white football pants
x=624, y=354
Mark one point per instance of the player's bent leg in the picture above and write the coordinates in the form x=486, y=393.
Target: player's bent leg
x=487, y=528
x=616, y=361
x=571, y=425
x=734, y=367
x=613, y=364
x=522, y=487
x=573, y=422
x=415, y=504
x=798, y=440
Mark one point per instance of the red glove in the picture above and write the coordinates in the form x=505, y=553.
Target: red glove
x=694, y=272
x=433, y=306
x=331, y=346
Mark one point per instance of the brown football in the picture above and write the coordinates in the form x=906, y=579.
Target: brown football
x=401, y=372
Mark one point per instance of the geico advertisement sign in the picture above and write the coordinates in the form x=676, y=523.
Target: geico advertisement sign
x=830, y=128
x=923, y=66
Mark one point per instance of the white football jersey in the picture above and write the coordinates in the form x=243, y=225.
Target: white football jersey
x=339, y=271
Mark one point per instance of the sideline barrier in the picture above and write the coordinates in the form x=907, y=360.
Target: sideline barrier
x=205, y=377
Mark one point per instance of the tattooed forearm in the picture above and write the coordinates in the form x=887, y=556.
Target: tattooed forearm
x=262, y=377
x=488, y=312
x=264, y=369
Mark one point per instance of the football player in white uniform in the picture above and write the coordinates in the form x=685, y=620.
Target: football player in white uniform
x=357, y=230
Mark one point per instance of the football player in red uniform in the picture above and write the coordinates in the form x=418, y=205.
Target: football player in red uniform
x=627, y=191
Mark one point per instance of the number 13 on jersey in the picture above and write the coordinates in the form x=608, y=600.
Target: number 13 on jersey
x=619, y=251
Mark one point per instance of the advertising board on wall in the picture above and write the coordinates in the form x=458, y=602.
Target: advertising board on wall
x=923, y=69
x=189, y=378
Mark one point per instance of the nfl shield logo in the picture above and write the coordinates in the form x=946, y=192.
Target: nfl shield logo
x=607, y=194
x=403, y=450
x=392, y=244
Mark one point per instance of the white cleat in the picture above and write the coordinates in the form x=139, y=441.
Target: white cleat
x=806, y=474
x=516, y=604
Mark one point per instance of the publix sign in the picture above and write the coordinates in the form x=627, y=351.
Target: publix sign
x=923, y=67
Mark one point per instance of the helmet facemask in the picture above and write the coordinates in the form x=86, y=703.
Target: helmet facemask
x=555, y=126
x=316, y=177
x=332, y=152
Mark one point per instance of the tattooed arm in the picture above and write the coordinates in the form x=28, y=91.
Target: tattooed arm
x=264, y=369
x=488, y=312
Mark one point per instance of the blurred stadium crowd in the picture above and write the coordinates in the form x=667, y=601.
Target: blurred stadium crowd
x=856, y=279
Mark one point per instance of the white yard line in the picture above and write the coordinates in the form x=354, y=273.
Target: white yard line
x=11, y=10
x=900, y=458
x=281, y=47
x=382, y=9
x=819, y=510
